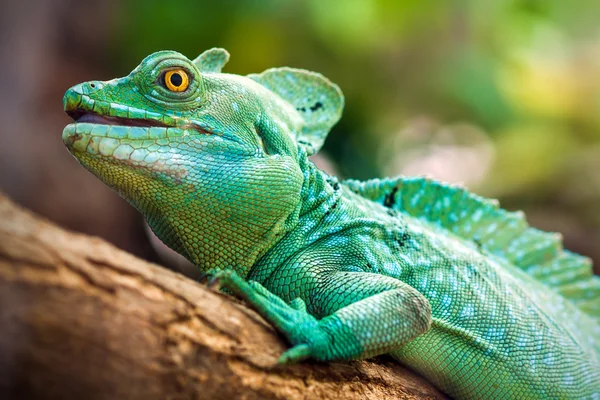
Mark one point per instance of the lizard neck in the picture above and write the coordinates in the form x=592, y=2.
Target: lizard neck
x=319, y=195
x=319, y=191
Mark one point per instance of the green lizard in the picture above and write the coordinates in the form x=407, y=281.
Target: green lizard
x=463, y=292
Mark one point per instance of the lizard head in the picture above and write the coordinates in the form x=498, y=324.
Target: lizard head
x=211, y=160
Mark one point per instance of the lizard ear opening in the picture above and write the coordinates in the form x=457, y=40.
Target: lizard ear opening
x=318, y=100
x=212, y=60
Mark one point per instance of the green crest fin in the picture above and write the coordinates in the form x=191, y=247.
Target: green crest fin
x=212, y=60
x=490, y=229
x=317, y=100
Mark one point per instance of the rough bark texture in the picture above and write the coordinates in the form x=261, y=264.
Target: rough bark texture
x=81, y=319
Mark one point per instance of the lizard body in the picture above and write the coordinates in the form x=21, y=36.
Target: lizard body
x=443, y=280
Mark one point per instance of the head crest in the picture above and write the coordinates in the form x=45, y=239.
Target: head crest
x=318, y=100
x=212, y=60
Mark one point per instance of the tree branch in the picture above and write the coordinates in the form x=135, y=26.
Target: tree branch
x=82, y=319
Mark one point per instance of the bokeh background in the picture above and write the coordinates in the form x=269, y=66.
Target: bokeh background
x=501, y=95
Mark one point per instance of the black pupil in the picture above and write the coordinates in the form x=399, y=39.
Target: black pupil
x=176, y=79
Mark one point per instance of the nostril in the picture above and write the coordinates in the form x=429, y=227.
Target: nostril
x=94, y=85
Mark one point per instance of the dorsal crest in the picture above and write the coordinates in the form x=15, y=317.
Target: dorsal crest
x=495, y=231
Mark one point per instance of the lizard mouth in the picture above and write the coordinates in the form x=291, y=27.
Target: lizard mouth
x=115, y=137
x=80, y=116
x=134, y=142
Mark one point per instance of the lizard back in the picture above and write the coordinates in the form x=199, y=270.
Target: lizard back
x=506, y=299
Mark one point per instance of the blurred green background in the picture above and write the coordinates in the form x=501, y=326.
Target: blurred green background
x=501, y=95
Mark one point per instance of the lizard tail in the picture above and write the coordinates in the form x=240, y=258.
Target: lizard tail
x=502, y=233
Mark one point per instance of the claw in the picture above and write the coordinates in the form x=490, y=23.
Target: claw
x=203, y=277
x=214, y=283
x=295, y=354
x=215, y=280
x=298, y=304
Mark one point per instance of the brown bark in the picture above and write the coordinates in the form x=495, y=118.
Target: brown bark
x=80, y=319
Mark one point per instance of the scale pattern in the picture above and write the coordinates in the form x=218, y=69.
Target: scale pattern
x=445, y=281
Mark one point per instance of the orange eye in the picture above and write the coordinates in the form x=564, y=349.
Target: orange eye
x=177, y=80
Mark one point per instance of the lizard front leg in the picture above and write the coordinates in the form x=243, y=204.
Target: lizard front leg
x=361, y=314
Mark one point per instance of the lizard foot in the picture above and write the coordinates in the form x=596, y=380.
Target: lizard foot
x=292, y=320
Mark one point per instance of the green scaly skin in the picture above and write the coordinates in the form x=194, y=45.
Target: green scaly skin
x=445, y=281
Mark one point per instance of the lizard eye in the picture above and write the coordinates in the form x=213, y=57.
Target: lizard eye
x=176, y=80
